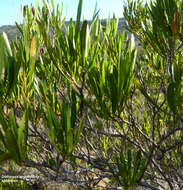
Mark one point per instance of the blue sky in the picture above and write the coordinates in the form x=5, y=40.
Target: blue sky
x=10, y=10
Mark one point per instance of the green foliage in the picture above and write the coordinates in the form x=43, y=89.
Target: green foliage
x=8, y=69
x=110, y=83
x=63, y=134
x=73, y=95
x=14, y=138
x=160, y=31
x=15, y=185
x=130, y=169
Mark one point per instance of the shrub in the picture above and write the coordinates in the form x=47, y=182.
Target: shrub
x=78, y=105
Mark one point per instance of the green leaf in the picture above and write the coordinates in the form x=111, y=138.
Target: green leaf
x=20, y=135
x=78, y=132
x=2, y=137
x=3, y=57
x=65, y=116
x=84, y=39
x=3, y=121
x=51, y=132
x=5, y=157
x=70, y=138
x=26, y=128
x=12, y=72
x=173, y=97
x=77, y=28
x=12, y=146
x=132, y=42
x=137, y=164
x=95, y=13
x=73, y=109
x=122, y=165
x=19, y=28
x=7, y=44
x=12, y=124
x=129, y=164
